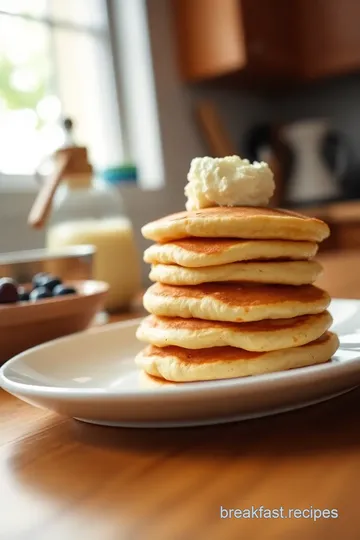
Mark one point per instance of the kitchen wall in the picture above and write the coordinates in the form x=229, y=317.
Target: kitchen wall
x=338, y=100
x=14, y=231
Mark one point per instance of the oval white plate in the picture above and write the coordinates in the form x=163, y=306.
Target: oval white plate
x=91, y=376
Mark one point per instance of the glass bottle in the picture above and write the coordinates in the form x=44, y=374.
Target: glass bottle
x=88, y=210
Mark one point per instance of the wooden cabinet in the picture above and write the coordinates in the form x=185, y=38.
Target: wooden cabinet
x=223, y=37
x=268, y=39
x=210, y=38
x=329, y=35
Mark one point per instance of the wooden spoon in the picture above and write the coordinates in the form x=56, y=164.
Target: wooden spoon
x=42, y=205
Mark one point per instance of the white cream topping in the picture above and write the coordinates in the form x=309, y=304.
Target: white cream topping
x=228, y=181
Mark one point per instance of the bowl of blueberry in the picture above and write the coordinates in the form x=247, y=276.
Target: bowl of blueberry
x=44, y=309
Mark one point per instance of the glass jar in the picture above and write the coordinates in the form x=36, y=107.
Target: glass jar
x=89, y=211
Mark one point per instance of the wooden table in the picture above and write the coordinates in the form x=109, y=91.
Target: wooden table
x=63, y=480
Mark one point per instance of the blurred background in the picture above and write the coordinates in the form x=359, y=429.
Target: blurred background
x=154, y=83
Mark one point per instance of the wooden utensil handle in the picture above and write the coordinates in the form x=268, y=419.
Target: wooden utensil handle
x=214, y=131
x=42, y=205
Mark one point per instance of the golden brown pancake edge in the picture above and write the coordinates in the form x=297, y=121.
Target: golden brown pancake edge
x=266, y=325
x=249, y=294
x=215, y=354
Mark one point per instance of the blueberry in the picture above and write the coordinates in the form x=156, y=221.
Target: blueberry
x=24, y=295
x=8, y=291
x=61, y=290
x=39, y=293
x=50, y=282
x=38, y=279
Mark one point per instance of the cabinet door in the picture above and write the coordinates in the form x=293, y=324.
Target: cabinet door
x=271, y=37
x=209, y=38
x=330, y=36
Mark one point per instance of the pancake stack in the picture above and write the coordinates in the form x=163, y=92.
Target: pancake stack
x=234, y=295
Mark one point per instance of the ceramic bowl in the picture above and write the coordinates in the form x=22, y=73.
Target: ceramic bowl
x=26, y=324
x=72, y=262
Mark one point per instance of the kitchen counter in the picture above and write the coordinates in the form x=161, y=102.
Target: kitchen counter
x=62, y=479
x=343, y=219
x=334, y=212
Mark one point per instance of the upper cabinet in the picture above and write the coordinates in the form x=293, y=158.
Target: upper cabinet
x=329, y=37
x=210, y=38
x=267, y=39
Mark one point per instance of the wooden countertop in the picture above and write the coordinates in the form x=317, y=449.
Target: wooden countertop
x=61, y=479
x=343, y=211
x=341, y=276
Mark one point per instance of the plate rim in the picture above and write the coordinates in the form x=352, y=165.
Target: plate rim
x=242, y=417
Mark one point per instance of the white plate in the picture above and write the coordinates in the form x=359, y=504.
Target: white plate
x=91, y=376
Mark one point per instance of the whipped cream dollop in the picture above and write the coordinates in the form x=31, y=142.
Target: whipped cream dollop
x=228, y=181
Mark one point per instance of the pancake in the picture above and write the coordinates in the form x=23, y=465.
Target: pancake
x=235, y=302
x=254, y=336
x=186, y=365
x=198, y=252
x=283, y=273
x=238, y=222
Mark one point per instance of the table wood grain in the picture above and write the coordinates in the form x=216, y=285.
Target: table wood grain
x=61, y=479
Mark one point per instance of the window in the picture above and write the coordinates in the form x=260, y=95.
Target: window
x=56, y=60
